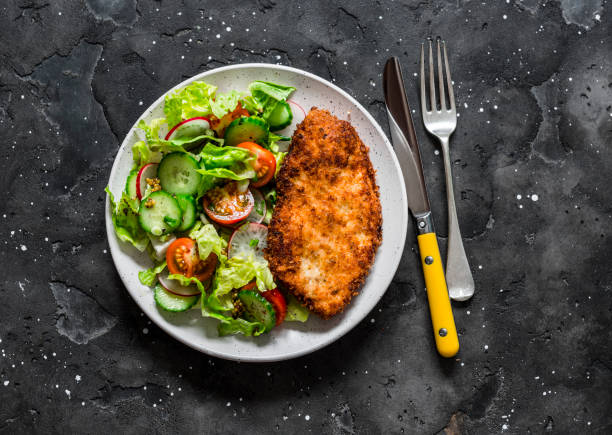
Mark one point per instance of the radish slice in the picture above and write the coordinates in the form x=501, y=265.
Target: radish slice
x=175, y=287
x=191, y=127
x=300, y=108
x=147, y=171
x=259, y=209
x=249, y=239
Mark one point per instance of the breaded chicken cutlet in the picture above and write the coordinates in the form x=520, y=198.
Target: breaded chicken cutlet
x=327, y=223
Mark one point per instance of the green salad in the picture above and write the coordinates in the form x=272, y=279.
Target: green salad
x=199, y=199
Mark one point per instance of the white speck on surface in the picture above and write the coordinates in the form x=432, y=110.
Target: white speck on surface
x=505, y=17
x=228, y=29
x=228, y=404
x=217, y=36
x=23, y=247
x=67, y=393
x=481, y=110
x=436, y=152
x=519, y=196
x=6, y=383
x=486, y=347
x=504, y=427
x=77, y=378
x=145, y=330
x=534, y=197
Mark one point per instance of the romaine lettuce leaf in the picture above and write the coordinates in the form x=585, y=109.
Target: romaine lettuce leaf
x=125, y=222
x=148, y=277
x=296, y=312
x=151, y=130
x=225, y=103
x=261, y=90
x=267, y=95
x=240, y=172
x=228, y=325
x=226, y=162
x=143, y=154
x=208, y=241
x=235, y=273
x=191, y=101
x=251, y=105
x=183, y=280
x=213, y=156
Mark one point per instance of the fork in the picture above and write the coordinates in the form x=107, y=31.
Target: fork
x=441, y=124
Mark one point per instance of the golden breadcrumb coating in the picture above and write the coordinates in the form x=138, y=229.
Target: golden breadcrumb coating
x=327, y=224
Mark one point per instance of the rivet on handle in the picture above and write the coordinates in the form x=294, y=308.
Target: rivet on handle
x=442, y=332
x=429, y=259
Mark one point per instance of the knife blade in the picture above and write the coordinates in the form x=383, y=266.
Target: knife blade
x=406, y=148
x=404, y=138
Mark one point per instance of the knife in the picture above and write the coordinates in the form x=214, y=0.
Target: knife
x=406, y=148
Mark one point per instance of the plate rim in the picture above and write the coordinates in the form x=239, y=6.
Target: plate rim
x=340, y=332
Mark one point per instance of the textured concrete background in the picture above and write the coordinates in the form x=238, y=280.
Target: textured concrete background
x=532, y=171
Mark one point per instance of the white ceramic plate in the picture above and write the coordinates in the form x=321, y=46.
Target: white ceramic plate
x=292, y=339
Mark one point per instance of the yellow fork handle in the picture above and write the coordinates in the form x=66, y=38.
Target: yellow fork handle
x=442, y=319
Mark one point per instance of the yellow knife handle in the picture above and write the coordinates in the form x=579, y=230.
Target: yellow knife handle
x=442, y=319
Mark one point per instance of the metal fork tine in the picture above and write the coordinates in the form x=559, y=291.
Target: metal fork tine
x=423, y=94
x=441, y=79
x=432, y=85
x=451, y=97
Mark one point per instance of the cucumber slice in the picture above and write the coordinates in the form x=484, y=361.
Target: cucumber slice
x=178, y=174
x=159, y=213
x=188, y=207
x=191, y=127
x=257, y=308
x=171, y=302
x=252, y=129
x=281, y=116
x=130, y=184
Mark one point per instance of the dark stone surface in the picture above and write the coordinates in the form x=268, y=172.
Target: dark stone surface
x=534, y=86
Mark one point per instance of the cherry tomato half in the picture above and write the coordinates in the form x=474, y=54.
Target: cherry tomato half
x=250, y=286
x=229, y=204
x=264, y=164
x=182, y=259
x=276, y=298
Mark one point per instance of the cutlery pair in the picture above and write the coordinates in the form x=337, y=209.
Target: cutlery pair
x=440, y=123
